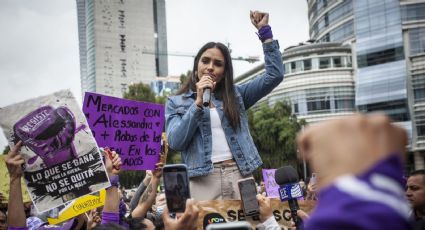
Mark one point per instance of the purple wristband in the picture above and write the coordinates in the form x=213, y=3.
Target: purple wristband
x=265, y=33
x=115, y=180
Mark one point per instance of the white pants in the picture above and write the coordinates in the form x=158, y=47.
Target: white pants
x=222, y=184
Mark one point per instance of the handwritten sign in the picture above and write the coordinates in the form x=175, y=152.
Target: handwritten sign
x=62, y=161
x=272, y=189
x=131, y=128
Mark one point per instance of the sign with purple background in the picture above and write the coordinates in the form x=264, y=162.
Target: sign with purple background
x=131, y=128
x=272, y=189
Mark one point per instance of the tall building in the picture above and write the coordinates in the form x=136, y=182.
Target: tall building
x=387, y=40
x=318, y=81
x=113, y=35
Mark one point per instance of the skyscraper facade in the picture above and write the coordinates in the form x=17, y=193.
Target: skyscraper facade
x=113, y=35
x=386, y=39
x=388, y=47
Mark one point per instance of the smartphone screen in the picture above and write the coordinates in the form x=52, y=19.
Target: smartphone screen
x=248, y=193
x=176, y=185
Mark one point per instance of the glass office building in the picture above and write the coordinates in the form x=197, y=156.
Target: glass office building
x=387, y=39
x=386, y=43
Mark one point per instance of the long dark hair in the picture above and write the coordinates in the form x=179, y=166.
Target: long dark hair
x=224, y=90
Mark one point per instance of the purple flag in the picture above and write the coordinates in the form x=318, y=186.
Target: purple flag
x=131, y=128
x=272, y=189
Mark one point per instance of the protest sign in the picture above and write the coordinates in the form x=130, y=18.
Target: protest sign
x=272, y=189
x=218, y=211
x=4, y=183
x=131, y=128
x=79, y=206
x=62, y=161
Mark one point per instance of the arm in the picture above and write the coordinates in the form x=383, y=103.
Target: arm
x=16, y=214
x=112, y=202
x=180, y=125
x=140, y=190
x=148, y=197
x=262, y=85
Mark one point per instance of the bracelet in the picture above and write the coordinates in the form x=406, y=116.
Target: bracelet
x=265, y=33
x=114, y=180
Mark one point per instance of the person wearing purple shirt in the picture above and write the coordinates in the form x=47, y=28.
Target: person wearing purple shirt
x=359, y=160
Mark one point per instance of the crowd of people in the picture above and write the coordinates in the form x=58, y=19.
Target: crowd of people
x=359, y=160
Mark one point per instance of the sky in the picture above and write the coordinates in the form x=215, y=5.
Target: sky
x=39, y=52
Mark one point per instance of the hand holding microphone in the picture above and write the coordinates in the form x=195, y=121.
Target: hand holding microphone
x=204, y=88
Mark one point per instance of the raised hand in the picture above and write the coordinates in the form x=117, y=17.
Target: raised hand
x=14, y=162
x=259, y=19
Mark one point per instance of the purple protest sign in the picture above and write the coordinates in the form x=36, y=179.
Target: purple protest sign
x=62, y=161
x=131, y=128
x=272, y=189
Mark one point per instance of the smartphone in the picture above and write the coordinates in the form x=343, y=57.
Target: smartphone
x=237, y=225
x=248, y=192
x=176, y=186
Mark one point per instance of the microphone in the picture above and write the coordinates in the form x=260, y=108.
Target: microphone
x=206, y=97
x=289, y=190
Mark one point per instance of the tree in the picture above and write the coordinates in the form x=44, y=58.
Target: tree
x=140, y=92
x=184, y=77
x=274, y=131
x=6, y=150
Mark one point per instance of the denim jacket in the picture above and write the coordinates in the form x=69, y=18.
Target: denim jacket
x=188, y=127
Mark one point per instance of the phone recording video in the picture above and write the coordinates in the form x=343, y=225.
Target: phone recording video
x=176, y=184
x=248, y=192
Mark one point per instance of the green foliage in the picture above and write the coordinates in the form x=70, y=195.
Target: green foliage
x=274, y=130
x=131, y=179
x=6, y=150
x=184, y=77
x=140, y=92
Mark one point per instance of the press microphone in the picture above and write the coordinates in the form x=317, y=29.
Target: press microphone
x=289, y=190
x=206, y=97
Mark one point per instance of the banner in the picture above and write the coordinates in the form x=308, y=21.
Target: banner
x=272, y=189
x=131, y=128
x=218, y=211
x=62, y=161
x=79, y=206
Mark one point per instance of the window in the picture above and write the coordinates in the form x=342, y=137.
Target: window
x=318, y=104
x=293, y=67
x=380, y=57
x=324, y=63
x=419, y=94
x=413, y=12
x=396, y=110
x=307, y=64
x=417, y=40
x=296, y=108
x=336, y=62
x=344, y=104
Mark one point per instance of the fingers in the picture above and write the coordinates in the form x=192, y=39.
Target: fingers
x=191, y=213
x=15, y=150
x=303, y=215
